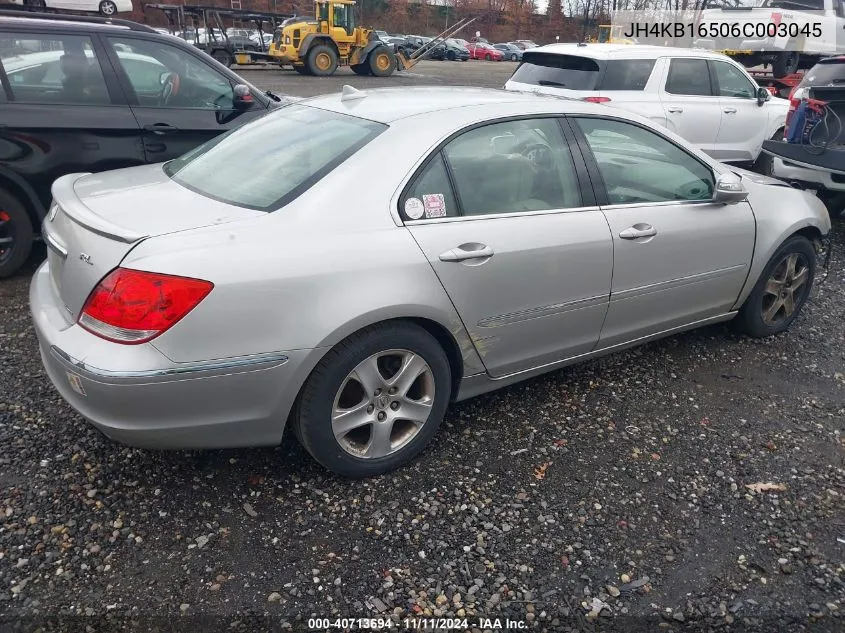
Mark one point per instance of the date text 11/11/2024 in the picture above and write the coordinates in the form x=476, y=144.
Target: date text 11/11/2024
x=415, y=624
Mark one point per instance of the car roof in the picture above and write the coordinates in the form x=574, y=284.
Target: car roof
x=624, y=51
x=385, y=105
x=72, y=22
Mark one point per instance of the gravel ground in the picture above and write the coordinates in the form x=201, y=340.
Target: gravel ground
x=616, y=495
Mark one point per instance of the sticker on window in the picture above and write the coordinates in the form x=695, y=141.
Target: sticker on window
x=435, y=205
x=414, y=208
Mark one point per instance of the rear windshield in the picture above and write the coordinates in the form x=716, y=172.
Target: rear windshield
x=824, y=74
x=582, y=73
x=559, y=71
x=269, y=162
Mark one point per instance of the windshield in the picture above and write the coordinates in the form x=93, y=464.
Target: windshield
x=266, y=164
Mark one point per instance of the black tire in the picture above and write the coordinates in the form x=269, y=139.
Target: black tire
x=302, y=70
x=322, y=60
x=514, y=57
x=312, y=420
x=223, y=56
x=765, y=162
x=750, y=318
x=15, y=224
x=108, y=8
x=488, y=57
x=381, y=61
x=786, y=63
x=451, y=56
x=361, y=69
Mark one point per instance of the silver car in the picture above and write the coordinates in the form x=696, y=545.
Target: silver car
x=289, y=274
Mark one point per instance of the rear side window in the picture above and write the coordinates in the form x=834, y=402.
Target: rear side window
x=559, y=71
x=53, y=69
x=824, y=74
x=430, y=195
x=626, y=74
x=689, y=77
x=265, y=164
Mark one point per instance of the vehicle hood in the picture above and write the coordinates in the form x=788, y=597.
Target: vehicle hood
x=145, y=201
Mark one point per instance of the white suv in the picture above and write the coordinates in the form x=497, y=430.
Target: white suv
x=707, y=98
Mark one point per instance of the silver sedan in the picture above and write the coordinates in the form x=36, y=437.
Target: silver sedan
x=300, y=271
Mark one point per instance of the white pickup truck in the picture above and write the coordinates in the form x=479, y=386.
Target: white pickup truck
x=786, y=34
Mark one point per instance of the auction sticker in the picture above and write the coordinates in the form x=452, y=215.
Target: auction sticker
x=414, y=208
x=435, y=205
x=76, y=383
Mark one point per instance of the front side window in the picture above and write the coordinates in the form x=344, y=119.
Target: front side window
x=732, y=82
x=639, y=166
x=53, y=69
x=513, y=166
x=689, y=77
x=165, y=76
x=267, y=163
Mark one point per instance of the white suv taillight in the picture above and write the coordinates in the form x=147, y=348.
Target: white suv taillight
x=795, y=98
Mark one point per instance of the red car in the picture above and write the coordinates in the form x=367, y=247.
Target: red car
x=478, y=50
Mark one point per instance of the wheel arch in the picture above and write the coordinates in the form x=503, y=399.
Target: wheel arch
x=453, y=338
x=313, y=39
x=811, y=228
x=361, y=54
x=18, y=187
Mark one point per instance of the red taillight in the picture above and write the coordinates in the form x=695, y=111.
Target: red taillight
x=134, y=306
x=795, y=96
x=776, y=18
x=596, y=99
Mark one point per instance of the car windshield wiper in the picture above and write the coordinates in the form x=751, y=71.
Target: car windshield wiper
x=272, y=95
x=546, y=82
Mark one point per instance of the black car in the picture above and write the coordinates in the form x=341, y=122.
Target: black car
x=454, y=51
x=88, y=94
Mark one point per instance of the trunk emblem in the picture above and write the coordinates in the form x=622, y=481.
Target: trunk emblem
x=85, y=257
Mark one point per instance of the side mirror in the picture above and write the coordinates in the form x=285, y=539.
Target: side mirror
x=242, y=98
x=763, y=95
x=729, y=190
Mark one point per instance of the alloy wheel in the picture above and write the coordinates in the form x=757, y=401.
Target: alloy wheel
x=383, y=403
x=7, y=237
x=785, y=289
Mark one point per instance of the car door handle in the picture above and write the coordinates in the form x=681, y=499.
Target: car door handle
x=160, y=128
x=675, y=110
x=638, y=231
x=467, y=251
x=729, y=110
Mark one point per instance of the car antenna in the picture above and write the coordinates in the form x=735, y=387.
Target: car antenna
x=349, y=93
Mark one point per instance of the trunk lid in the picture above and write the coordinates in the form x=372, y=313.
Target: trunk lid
x=96, y=219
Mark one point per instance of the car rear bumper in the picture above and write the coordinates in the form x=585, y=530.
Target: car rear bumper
x=137, y=396
x=814, y=177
